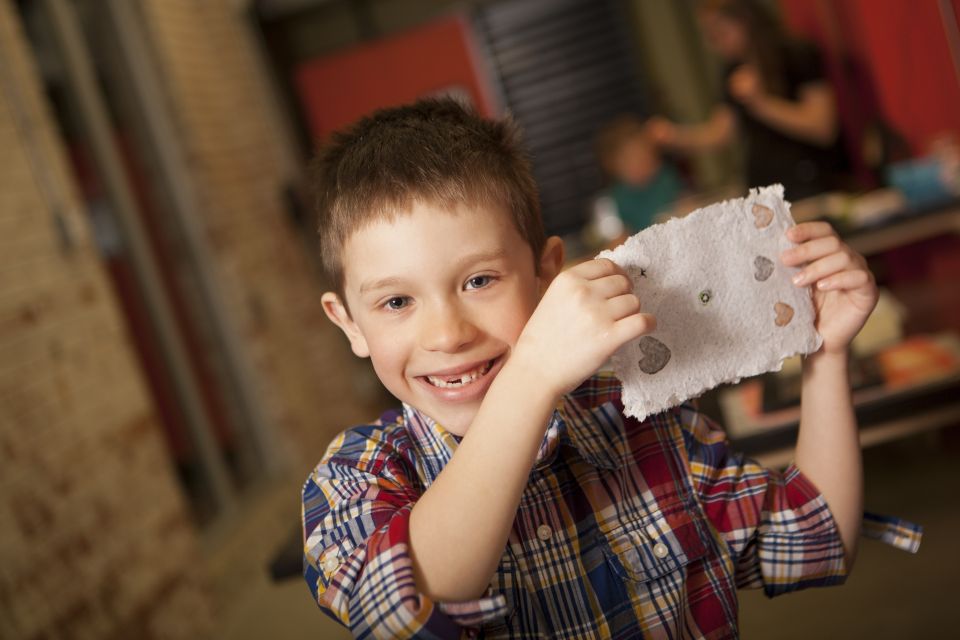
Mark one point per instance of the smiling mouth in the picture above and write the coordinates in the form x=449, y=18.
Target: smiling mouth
x=461, y=379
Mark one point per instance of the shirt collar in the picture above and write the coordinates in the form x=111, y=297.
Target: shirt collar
x=591, y=431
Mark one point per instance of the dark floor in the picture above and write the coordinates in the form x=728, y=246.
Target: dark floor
x=891, y=594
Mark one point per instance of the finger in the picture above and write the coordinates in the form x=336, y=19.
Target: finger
x=596, y=268
x=623, y=306
x=846, y=280
x=632, y=327
x=812, y=250
x=611, y=286
x=823, y=268
x=809, y=231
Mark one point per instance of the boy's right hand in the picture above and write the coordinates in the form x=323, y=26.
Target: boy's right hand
x=587, y=313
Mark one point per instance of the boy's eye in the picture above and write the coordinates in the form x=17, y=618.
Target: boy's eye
x=397, y=303
x=479, y=282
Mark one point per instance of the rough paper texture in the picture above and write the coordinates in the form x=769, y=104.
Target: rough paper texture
x=725, y=305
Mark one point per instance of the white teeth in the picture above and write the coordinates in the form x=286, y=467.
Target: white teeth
x=464, y=379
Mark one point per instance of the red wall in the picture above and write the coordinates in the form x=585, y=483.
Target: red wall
x=336, y=90
x=902, y=47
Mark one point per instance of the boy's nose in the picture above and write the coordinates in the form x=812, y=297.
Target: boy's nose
x=447, y=328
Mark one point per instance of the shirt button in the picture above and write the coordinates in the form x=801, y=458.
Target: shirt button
x=544, y=532
x=652, y=531
x=660, y=550
x=331, y=563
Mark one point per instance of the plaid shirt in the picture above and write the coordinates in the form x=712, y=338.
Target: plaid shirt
x=626, y=529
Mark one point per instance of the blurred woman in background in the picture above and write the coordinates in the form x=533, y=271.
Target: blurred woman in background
x=775, y=95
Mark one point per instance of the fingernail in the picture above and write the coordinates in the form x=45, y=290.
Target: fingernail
x=798, y=278
x=823, y=284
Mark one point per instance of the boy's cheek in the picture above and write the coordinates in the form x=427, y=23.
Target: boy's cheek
x=521, y=322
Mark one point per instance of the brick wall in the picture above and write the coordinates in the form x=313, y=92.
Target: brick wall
x=95, y=538
x=240, y=163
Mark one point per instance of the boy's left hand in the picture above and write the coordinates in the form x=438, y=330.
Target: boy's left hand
x=844, y=290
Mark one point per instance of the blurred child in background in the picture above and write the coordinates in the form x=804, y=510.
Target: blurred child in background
x=643, y=184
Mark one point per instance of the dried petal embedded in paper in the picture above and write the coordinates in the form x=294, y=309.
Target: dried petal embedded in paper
x=762, y=268
x=762, y=215
x=654, y=355
x=784, y=314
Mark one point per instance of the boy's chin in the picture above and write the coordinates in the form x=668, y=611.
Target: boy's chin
x=455, y=419
x=457, y=422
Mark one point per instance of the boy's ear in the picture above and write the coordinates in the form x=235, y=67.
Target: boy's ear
x=336, y=310
x=551, y=261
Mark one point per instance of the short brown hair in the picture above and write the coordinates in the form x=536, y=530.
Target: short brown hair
x=435, y=151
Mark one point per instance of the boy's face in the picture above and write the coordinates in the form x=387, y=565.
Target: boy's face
x=437, y=300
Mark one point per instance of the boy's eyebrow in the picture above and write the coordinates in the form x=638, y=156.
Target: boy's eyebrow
x=471, y=258
x=482, y=256
x=383, y=283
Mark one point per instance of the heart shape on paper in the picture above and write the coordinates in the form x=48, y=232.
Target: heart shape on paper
x=762, y=268
x=654, y=355
x=762, y=216
x=784, y=314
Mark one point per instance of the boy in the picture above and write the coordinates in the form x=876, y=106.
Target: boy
x=511, y=497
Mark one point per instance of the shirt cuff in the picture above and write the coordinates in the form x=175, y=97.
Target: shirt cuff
x=893, y=531
x=474, y=613
x=799, y=542
x=378, y=589
x=897, y=533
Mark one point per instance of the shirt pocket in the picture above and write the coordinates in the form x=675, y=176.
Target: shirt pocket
x=657, y=544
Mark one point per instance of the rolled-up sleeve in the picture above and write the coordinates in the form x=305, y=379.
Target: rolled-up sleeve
x=780, y=532
x=356, y=514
